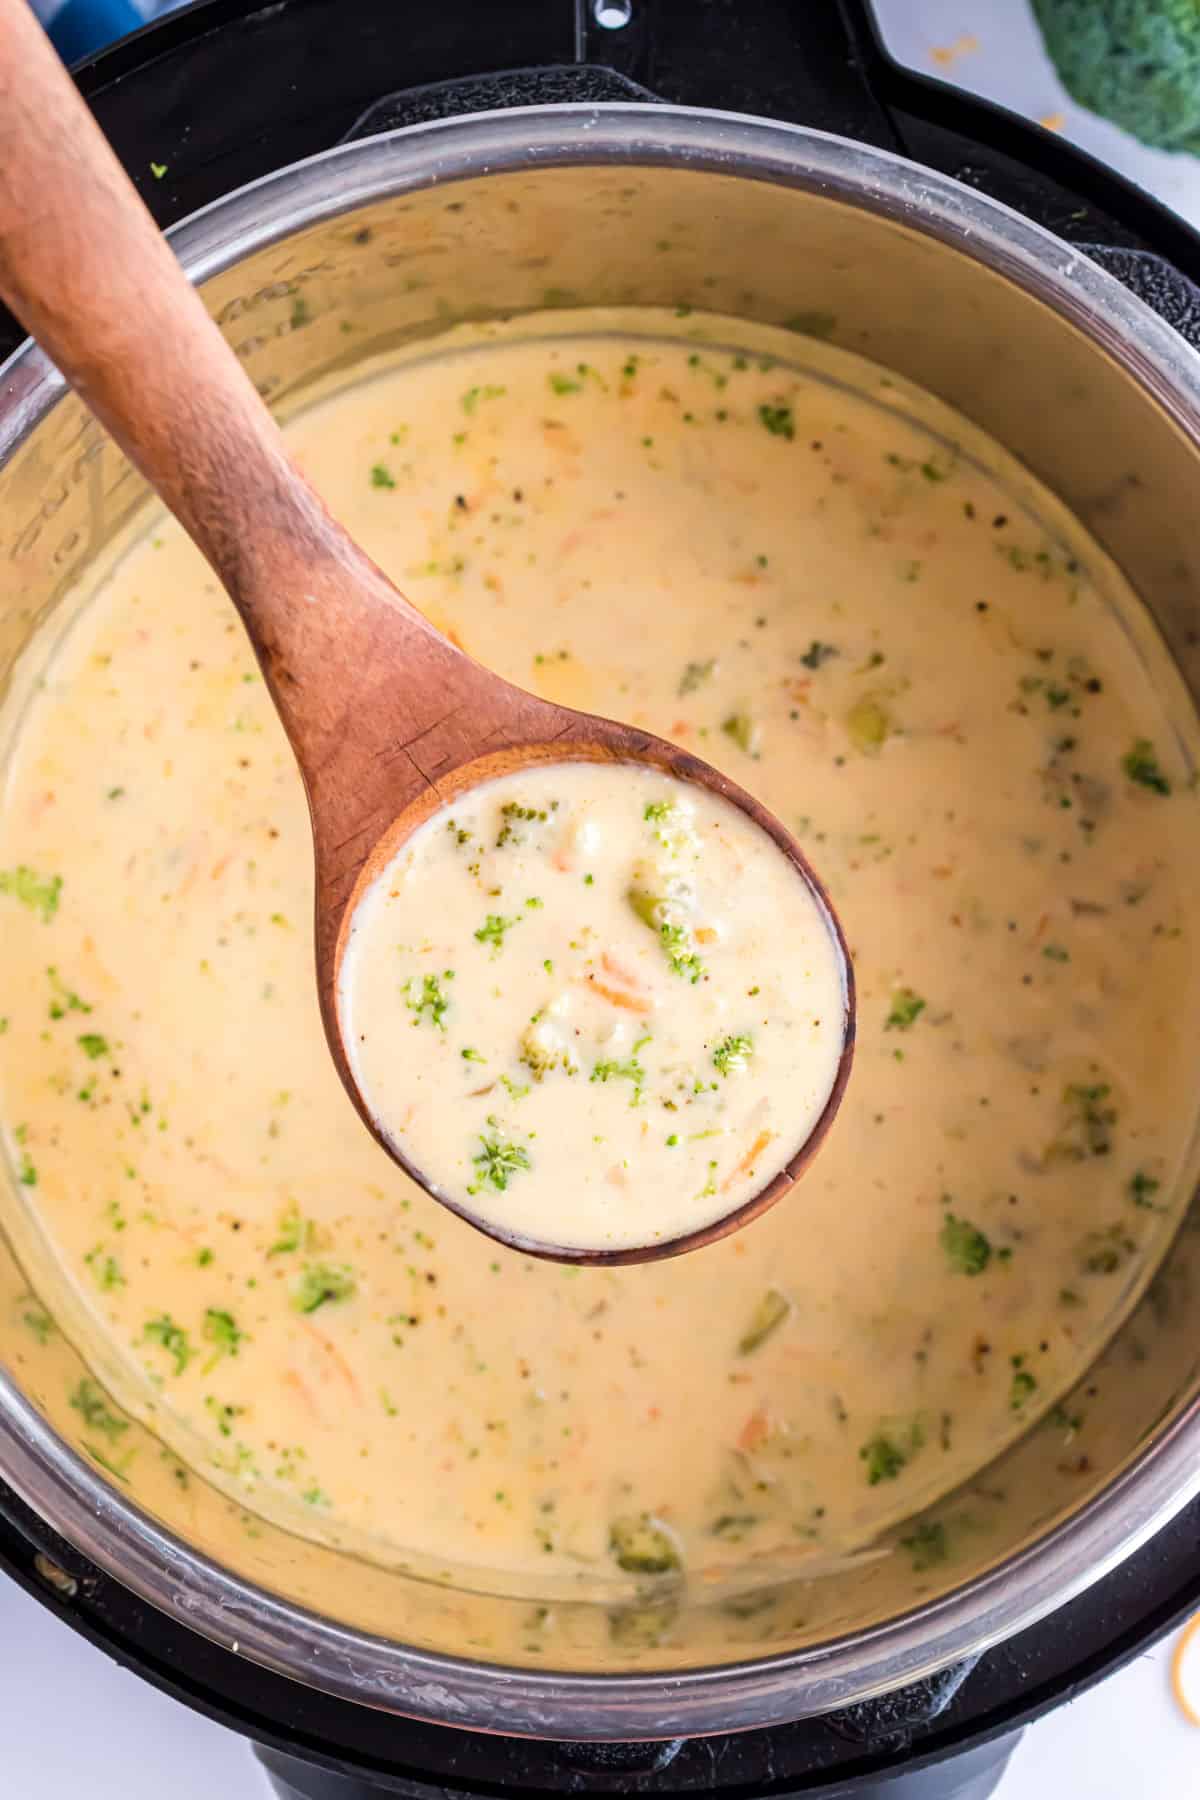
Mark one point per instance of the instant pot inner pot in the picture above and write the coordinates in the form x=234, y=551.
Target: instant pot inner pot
x=302, y=313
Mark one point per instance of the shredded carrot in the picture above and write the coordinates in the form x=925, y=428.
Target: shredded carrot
x=556, y=437
x=628, y=995
x=220, y=866
x=189, y=1233
x=615, y=997
x=338, y=1360
x=1181, y=1649
x=748, y=1161
x=189, y=881
x=753, y=1431
x=581, y=534
x=292, y=1379
x=616, y=969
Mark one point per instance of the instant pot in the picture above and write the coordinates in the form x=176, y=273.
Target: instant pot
x=411, y=169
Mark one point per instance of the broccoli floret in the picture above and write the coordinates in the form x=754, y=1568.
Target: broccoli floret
x=1135, y=62
x=543, y=1048
x=642, y=1546
x=498, y=1161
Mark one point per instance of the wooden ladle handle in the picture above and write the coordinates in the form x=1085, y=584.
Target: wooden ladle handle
x=87, y=271
x=85, y=268
x=352, y=667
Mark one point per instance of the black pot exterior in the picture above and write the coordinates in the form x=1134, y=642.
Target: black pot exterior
x=937, y=1732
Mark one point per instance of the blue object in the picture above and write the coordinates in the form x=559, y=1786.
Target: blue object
x=81, y=27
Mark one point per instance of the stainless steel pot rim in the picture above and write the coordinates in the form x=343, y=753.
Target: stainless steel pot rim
x=110, y=1529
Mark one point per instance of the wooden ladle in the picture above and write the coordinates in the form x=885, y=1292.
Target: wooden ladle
x=388, y=720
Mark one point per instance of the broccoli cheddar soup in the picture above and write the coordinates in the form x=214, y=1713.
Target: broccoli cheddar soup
x=824, y=583
x=644, y=1018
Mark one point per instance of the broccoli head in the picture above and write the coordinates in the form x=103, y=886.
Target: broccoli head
x=1135, y=62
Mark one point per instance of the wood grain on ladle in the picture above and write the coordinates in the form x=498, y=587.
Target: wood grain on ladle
x=388, y=720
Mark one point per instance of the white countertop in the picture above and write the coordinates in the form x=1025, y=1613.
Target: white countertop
x=75, y=1725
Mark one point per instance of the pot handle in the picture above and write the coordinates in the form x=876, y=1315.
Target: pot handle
x=558, y=83
x=1156, y=281
x=817, y=67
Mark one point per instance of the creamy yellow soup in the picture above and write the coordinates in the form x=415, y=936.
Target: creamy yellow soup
x=595, y=1006
x=814, y=578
